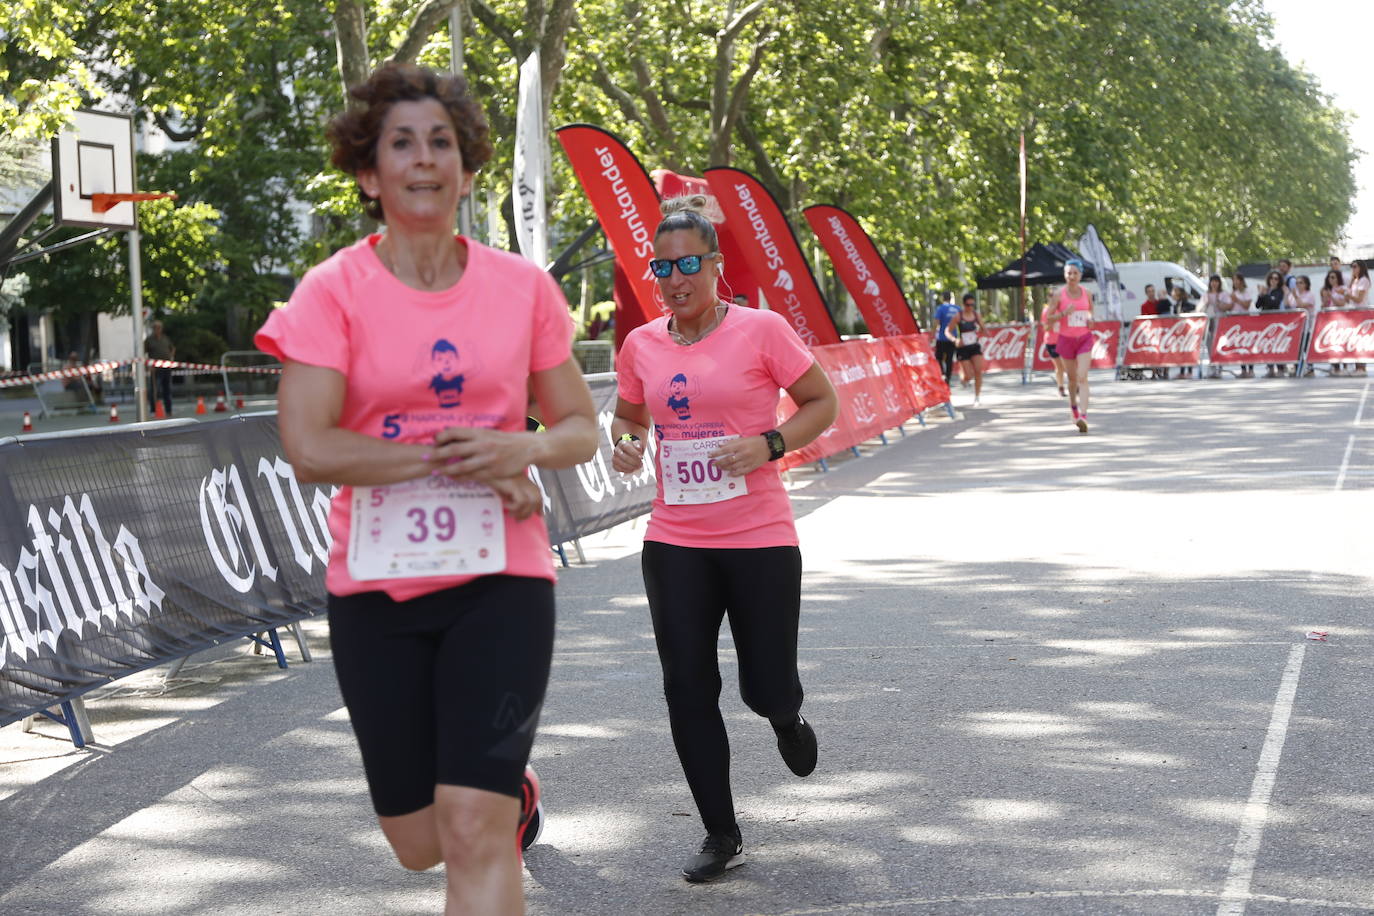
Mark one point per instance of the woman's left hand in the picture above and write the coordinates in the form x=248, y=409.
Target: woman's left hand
x=471, y=453
x=741, y=456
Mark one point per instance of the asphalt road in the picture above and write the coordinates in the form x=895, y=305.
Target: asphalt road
x=1050, y=673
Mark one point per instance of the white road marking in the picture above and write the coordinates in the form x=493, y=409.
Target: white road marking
x=1237, y=890
x=1350, y=446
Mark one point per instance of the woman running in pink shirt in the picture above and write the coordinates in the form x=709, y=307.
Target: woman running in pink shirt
x=702, y=384
x=409, y=358
x=1073, y=309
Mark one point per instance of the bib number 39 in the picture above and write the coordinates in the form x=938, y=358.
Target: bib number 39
x=435, y=526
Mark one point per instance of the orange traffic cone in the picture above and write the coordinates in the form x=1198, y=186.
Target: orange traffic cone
x=28, y=422
x=238, y=403
x=200, y=404
x=114, y=413
x=159, y=412
x=220, y=406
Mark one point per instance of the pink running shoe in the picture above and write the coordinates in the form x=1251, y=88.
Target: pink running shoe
x=531, y=812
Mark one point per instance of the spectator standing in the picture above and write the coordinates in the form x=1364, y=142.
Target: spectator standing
x=1357, y=295
x=160, y=346
x=1151, y=306
x=1238, y=299
x=944, y=347
x=1333, y=297
x=1303, y=298
x=1182, y=305
x=1271, y=299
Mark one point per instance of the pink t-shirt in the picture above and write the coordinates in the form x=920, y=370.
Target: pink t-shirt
x=1078, y=321
x=1051, y=330
x=416, y=362
x=725, y=384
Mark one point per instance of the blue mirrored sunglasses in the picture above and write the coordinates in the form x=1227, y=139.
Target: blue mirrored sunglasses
x=688, y=264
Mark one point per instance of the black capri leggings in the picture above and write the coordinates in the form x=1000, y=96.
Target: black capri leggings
x=690, y=589
x=444, y=688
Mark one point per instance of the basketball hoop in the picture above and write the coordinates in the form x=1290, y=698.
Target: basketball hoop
x=102, y=202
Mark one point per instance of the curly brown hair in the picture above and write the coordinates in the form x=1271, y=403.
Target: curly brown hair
x=353, y=135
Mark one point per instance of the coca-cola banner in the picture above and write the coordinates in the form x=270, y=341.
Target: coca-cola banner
x=624, y=201
x=1342, y=337
x=1269, y=337
x=1165, y=341
x=775, y=259
x=863, y=271
x=1004, y=346
x=1106, y=347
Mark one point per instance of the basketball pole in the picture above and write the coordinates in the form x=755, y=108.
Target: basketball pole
x=136, y=295
x=136, y=288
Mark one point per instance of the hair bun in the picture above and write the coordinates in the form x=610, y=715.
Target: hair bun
x=686, y=203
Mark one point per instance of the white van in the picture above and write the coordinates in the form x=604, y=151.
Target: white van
x=1135, y=274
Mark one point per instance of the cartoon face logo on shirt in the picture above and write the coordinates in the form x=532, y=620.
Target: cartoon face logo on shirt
x=447, y=382
x=677, y=392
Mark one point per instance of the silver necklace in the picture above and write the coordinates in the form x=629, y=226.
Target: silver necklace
x=682, y=340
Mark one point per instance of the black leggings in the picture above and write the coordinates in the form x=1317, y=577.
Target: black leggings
x=444, y=688
x=690, y=589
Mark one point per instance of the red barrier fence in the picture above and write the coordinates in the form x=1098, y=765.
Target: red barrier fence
x=1173, y=340
x=1343, y=337
x=881, y=383
x=1248, y=339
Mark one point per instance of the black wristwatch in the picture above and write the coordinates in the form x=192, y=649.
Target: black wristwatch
x=776, y=447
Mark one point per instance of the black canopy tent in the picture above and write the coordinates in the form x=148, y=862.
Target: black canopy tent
x=1044, y=265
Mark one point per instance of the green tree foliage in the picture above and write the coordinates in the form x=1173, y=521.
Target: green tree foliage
x=1175, y=126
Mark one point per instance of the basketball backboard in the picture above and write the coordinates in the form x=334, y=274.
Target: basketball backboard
x=95, y=155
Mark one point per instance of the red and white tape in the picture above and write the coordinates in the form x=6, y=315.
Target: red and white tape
x=97, y=368
x=206, y=367
x=74, y=372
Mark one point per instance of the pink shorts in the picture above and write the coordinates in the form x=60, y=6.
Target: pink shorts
x=1069, y=346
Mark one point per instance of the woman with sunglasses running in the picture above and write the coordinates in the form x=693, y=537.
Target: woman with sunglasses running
x=720, y=539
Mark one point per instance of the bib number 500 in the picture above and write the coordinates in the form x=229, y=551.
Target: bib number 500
x=698, y=471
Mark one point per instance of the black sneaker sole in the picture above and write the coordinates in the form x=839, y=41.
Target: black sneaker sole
x=703, y=877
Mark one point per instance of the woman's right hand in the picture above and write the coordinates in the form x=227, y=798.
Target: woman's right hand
x=628, y=456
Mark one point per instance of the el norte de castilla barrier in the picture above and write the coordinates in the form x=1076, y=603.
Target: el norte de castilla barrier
x=139, y=546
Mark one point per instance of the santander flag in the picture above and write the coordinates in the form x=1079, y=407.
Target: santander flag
x=864, y=272
x=775, y=259
x=625, y=203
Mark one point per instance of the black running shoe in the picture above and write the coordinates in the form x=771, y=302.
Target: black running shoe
x=797, y=744
x=719, y=853
x=531, y=811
